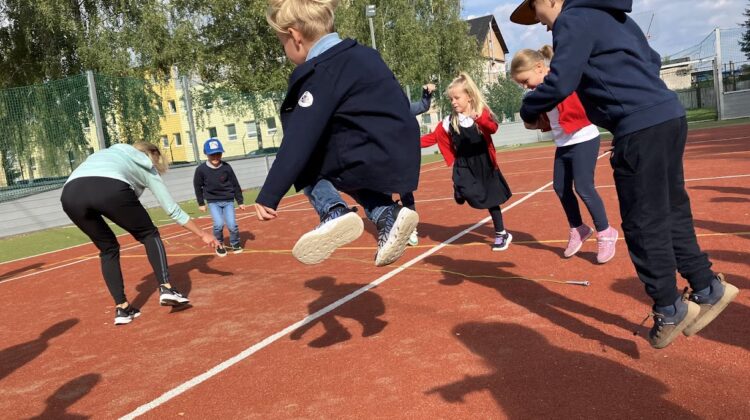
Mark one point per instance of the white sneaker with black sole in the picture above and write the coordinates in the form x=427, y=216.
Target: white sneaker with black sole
x=126, y=316
x=339, y=227
x=171, y=297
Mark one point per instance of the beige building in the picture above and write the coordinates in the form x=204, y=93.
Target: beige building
x=487, y=32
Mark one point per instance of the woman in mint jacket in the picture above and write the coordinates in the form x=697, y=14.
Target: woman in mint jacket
x=108, y=184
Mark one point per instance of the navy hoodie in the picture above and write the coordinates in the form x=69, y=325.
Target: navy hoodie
x=345, y=119
x=603, y=55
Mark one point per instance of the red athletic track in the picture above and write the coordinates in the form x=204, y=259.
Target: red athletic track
x=464, y=333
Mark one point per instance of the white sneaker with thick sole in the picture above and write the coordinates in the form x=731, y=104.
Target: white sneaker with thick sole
x=317, y=245
x=393, y=235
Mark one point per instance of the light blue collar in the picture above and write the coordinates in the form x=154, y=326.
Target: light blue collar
x=324, y=44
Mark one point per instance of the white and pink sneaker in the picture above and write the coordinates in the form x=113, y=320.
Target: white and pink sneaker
x=606, y=241
x=577, y=237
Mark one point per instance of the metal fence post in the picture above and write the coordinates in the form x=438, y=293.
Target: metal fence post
x=720, y=74
x=189, y=110
x=95, y=108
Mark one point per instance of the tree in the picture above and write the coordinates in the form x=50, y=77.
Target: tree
x=745, y=40
x=504, y=98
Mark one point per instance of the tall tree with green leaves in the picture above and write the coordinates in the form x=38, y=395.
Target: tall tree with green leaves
x=504, y=98
x=745, y=40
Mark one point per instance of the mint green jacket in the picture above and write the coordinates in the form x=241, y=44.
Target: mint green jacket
x=130, y=165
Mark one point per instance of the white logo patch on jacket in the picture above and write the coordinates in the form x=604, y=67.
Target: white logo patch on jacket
x=306, y=99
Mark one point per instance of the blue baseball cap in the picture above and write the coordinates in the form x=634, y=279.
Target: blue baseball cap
x=212, y=145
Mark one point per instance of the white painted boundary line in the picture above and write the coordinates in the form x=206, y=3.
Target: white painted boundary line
x=186, y=386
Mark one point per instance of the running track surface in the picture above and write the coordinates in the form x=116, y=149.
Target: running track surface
x=450, y=331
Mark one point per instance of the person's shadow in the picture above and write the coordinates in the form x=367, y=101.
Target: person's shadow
x=65, y=396
x=179, y=277
x=531, y=378
x=16, y=356
x=731, y=327
x=483, y=234
x=11, y=273
x=539, y=300
x=367, y=311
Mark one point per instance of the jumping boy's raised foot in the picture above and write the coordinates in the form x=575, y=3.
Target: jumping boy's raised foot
x=339, y=226
x=394, y=228
x=672, y=320
x=711, y=302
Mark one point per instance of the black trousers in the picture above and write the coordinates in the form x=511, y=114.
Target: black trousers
x=88, y=200
x=655, y=209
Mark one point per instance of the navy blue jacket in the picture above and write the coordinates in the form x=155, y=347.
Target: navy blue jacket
x=345, y=119
x=603, y=55
x=219, y=184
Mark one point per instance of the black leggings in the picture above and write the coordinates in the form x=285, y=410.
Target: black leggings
x=88, y=200
x=497, y=219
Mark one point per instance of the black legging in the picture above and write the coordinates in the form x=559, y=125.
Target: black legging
x=497, y=219
x=86, y=200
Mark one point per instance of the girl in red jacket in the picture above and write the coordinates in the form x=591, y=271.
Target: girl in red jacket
x=465, y=140
x=577, y=143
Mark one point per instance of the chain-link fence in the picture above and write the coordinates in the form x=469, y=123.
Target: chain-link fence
x=694, y=72
x=49, y=129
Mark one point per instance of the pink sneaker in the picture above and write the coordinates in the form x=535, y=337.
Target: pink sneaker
x=577, y=237
x=606, y=241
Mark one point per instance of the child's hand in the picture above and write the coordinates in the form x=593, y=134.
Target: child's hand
x=242, y=207
x=533, y=126
x=264, y=213
x=202, y=208
x=209, y=240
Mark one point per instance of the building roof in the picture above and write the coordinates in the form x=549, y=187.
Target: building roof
x=480, y=28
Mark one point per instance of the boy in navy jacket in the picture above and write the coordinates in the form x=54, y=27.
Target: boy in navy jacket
x=347, y=127
x=602, y=54
x=215, y=182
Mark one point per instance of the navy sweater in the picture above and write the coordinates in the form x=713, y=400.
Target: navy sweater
x=603, y=55
x=219, y=184
x=345, y=119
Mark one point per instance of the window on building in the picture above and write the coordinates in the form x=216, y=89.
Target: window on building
x=252, y=128
x=177, y=139
x=271, y=123
x=164, y=141
x=212, y=132
x=172, y=107
x=189, y=139
x=231, y=132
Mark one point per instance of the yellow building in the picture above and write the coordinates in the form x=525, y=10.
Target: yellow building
x=240, y=134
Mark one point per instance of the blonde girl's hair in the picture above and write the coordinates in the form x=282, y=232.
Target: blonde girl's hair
x=526, y=59
x=150, y=149
x=465, y=82
x=313, y=18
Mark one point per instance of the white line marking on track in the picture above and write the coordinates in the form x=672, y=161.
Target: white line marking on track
x=186, y=386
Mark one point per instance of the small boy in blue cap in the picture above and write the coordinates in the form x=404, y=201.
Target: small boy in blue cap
x=216, y=183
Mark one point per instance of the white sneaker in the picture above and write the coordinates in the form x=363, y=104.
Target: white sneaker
x=413, y=238
x=171, y=297
x=340, y=227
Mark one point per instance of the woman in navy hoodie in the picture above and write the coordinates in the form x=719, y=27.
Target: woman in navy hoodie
x=602, y=54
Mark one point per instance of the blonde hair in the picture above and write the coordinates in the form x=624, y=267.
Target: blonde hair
x=313, y=18
x=526, y=59
x=465, y=82
x=150, y=149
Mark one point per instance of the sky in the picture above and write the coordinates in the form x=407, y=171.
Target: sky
x=676, y=25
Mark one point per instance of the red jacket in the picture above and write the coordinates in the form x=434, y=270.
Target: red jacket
x=572, y=115
x=440, y=136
